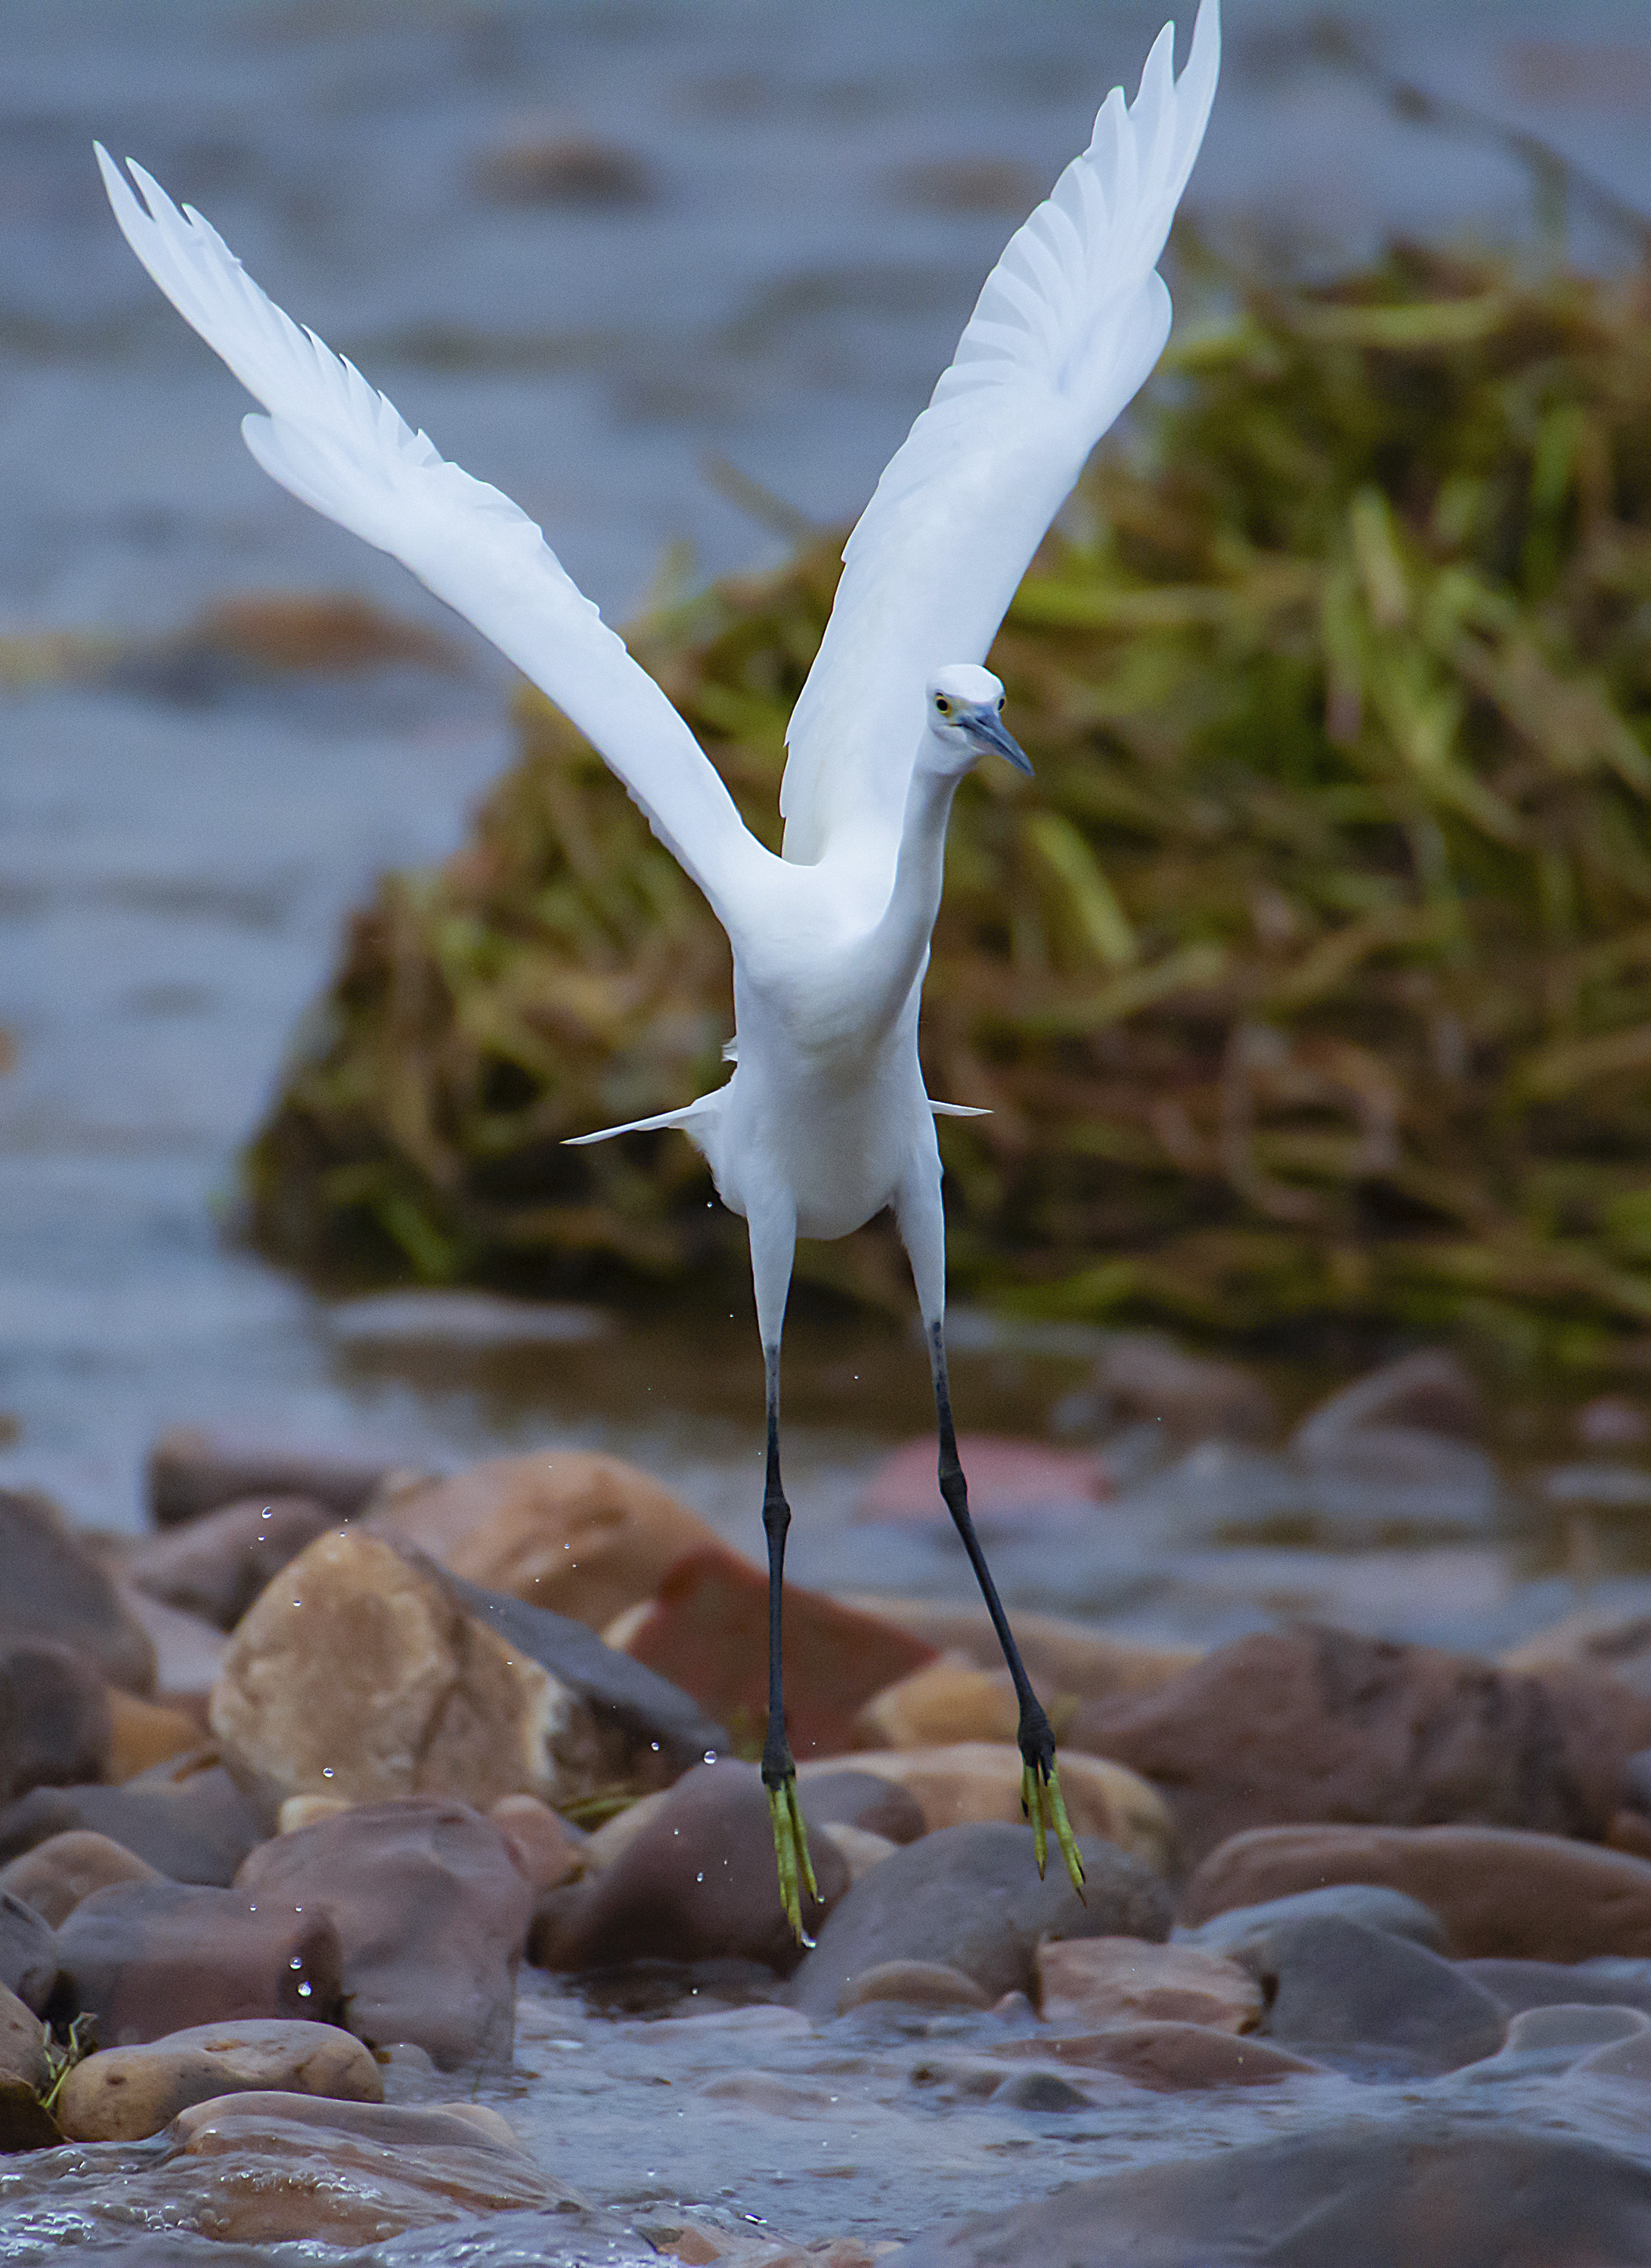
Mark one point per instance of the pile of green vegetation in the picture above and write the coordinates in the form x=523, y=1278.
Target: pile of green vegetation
x=1312, y=975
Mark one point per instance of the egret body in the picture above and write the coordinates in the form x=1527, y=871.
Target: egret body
x=825, y=1120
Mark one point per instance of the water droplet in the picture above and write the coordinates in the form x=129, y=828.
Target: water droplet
x=297, y=1961
x=306, y=1990
x=327, y=1771
x=700, y=1876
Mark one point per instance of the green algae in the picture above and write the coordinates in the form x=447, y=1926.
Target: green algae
x=1311, y=976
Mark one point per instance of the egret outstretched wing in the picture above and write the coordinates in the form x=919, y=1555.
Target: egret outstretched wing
x=339, y=445
x=1069, y=323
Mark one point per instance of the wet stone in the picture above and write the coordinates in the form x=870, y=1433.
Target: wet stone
x=194, y=1470
x=1553, y=2039
x=23, y=2124
x=1173, y=2058
x=56, y=1874
x=430, y=1906
x=1606, y=1982
x=144, y=1959
x=695, y=1881
x=970, y=1897
x=1369, y=1999
x=191, y=1826
x=915, y=1984
x=122, y=2094
x=55, y=1723
x=1423, y=2191
x=1086, y=1982
x=1498, y=1894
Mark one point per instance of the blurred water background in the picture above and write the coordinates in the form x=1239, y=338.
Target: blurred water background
x=599, y=251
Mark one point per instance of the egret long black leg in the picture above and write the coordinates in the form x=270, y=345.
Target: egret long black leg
x=780, y=1771
x=1041, y=1797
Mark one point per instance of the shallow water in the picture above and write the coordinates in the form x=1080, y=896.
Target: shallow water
x=176, y=852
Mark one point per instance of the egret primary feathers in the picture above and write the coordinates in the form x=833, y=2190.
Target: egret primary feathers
x=824, y=1120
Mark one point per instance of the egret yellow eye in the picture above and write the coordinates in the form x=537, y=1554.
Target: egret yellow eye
x=942, y=705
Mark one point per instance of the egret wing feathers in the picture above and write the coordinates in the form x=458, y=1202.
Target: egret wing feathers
x=1066, y=328
x=341, y=447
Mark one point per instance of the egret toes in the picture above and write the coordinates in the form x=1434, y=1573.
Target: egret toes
x=790, y=1849
x=1041, y=1799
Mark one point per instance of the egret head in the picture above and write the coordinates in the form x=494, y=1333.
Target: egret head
x=965, y=710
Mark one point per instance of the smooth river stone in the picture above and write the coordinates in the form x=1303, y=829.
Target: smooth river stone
x=123, y=2095
x=1499, y=1893
x=1336, y=1987
x=1086, y=1982
x=53, y=1877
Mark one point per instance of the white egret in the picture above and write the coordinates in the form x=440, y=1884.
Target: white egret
x=825, y=1120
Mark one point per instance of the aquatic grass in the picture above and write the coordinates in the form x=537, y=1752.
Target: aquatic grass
x=1312, y=975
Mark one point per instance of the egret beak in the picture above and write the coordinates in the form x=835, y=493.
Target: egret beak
x=989, y=730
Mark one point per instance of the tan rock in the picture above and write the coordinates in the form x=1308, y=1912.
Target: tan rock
x=125, y=2093
x=301, y=1811
x=586, y=1535
x=1087, y=1981
x=145, y=1732
x=1499, y=1894
x=944, y=1702
x=1062, y=1658
x=549, y=1849
x=919, y=1983
x=355, y=1675
x=58, y=1873
x=973, y=1781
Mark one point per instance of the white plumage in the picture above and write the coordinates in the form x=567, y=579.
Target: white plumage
x=824, y=1120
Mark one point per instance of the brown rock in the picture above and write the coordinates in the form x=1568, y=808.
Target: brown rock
x=549, y=1849
x=55, y=1716
x=919, y=1983
x=268, y=2169
x=549, y=168
x=1065, y=1661
x=696, y=1882
x=355, y=1675
x=58, y=1873
x=148, y=1958
x=1145, y=1377
x=300, y=1811
x=582, y=1534
x=216, y=1565
x=28, y=1953
x=1499, y=1894
x=142, y=1734
x=1316, y=1724
x=193, y=1469
x=1087, y=1981
x=978, y=1780
x=125, y=2095
x=1593, y=1637
x=55, y=1587
x=707, y=1631
x=1170, y=2057
x=431, y=1908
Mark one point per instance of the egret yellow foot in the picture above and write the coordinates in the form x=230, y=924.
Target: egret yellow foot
x=790, y=1854
x=1042, y=1801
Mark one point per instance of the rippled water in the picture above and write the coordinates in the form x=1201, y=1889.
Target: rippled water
x=177, y=849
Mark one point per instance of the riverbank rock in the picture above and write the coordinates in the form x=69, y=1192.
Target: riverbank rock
x=270, y=2167
x=1497, y=1893
x=56, y=1727
x=1608, y=1981
x=144, y=1734
x=706, y=1630
x=193, y=1469
x=978, y=1780
x=28, y=1952
x=53, y=1877
x=1242, y=1931
x=56, y=1588
x=23, y=2124
x=148, y=1958
x=1335, y=1987
x=1012, y=1483
x=188, y=1651
x=1142, y=1377
x=693, y=1882
x=584, y=1535
x=970, y=1897
x=1086, y=1982
x=547, y=1848
x=216, y=1565
x=431, y=1908
x=943, y=1703
x=124, y=2094
x=1426, y=2190
x=188, y=1820
x=356, y=1675
x=1316, y=1724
